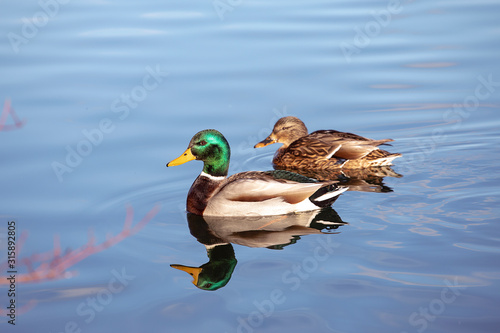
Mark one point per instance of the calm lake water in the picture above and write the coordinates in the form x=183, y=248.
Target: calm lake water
x=97, y=96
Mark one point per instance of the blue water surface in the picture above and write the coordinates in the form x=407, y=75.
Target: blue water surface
x=97, y=96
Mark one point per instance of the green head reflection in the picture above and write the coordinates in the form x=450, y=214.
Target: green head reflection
x=217, y=272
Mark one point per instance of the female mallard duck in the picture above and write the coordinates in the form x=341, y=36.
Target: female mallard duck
x=247, y=193
x=324, y=149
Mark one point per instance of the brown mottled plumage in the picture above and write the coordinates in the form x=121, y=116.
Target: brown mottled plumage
x=369, y=179
x=324, y=149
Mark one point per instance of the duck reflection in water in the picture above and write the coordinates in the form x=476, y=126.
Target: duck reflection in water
x=273, y=232
x=362, y=180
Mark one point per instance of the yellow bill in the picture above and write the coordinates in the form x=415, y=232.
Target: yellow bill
x=193, y=271
x=185, y=157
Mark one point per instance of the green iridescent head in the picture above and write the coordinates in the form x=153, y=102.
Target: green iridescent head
x=211, y=147
x=217, y=272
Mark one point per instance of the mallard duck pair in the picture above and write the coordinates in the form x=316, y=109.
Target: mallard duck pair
x=263, y=193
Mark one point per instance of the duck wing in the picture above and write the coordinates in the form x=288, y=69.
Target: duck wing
x=255, y=186
x=312, y=147
x=347, y=145
x=329, y=135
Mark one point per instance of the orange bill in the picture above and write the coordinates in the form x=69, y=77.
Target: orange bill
x=266, y=142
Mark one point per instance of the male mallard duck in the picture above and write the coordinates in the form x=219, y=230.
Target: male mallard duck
x=324, y=149
x=247, y=193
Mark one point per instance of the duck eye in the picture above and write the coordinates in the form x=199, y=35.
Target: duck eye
x=202, y=143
